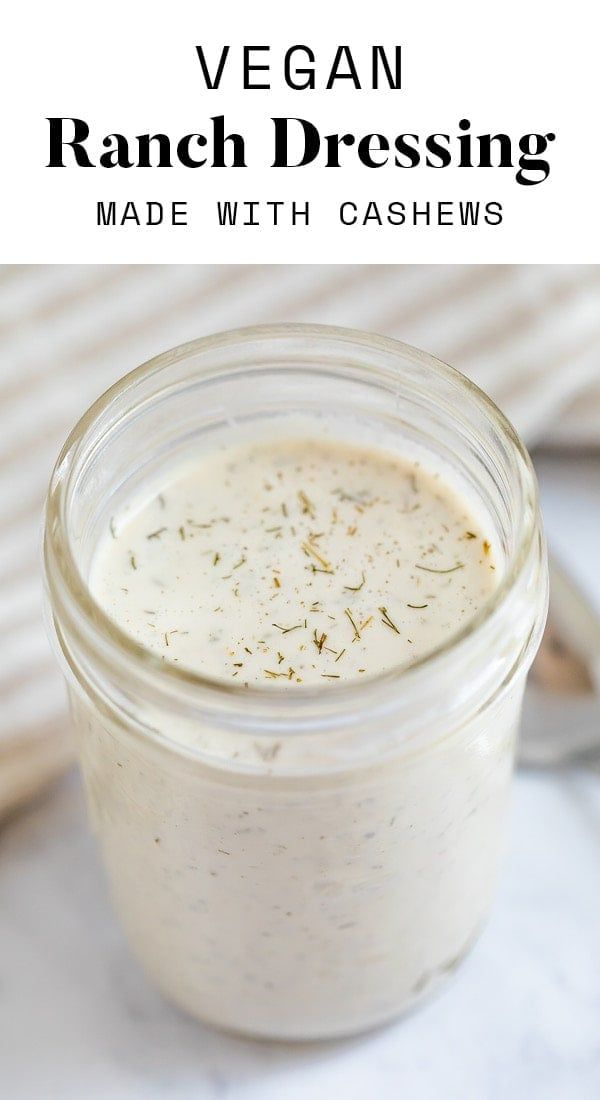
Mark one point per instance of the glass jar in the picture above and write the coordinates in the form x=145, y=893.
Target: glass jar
x=311, y=864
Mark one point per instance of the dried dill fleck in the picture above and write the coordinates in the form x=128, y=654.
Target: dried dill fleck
x=387, y=621
x=267, y=752
x=355, y=588
x=307, y=506
x=361, y=498
x=428, y=569
x=182, y=534
x=319, y=641
x=310, y=551
x=156, y=534
x=287, y=629
x=330, y=675
x=486, y=546
x=417, y=606
x=132, y=561
x=111, y=527
x=348, y=615
x=216, y=558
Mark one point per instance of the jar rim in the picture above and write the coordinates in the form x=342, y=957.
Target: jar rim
x=64, y=579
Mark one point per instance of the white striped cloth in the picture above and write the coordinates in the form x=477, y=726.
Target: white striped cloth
x=530, y=335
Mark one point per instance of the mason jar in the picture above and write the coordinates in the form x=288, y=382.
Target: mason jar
x=309, y=864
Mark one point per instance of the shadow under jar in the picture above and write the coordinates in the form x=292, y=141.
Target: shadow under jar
x=304, y=864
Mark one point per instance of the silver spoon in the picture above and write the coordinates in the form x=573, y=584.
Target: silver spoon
x=561, y=710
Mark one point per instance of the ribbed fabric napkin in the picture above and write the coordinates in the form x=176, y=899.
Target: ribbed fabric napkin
x=529, y=335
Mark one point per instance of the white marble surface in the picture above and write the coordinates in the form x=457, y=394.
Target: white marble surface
x=521, y=1020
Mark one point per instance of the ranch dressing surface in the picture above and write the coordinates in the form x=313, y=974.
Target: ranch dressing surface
x=299, y=562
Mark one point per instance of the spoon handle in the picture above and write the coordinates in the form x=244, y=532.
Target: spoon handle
x=561, y=712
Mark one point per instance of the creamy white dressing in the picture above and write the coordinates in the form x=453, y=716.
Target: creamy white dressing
x=299, y=562
x=263, y=894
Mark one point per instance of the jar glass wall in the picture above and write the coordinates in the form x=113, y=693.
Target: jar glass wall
x=297, y=865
